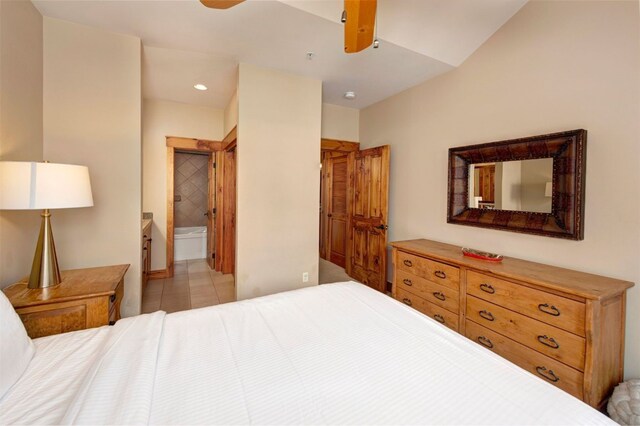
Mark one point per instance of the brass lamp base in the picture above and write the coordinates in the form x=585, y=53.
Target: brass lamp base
x=44, y=271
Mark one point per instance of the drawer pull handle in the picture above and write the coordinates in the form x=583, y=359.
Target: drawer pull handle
x=407, y=281
x=548, y=341
x=438, y=318
x=551, y=310
x=408, y=262
x=487, y=288
x=438, y=295
x=484, y=341
x=406, y=301
x=486, y=315
x=440, y=274
x=547, y=374
x=112, y=298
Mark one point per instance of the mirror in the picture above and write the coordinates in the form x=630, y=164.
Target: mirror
x=532, y=185
x=523, y=185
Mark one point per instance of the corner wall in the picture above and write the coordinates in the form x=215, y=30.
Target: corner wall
x=159, y=120
x=92, y=116
x=554, y=66
x=278, y=181
x=20, y=126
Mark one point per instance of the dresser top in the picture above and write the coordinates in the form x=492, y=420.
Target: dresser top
x=581, y=284
x=76, y=284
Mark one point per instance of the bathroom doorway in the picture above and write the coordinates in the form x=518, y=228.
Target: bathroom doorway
x=201, y=200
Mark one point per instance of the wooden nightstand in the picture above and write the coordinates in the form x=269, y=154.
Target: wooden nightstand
x=85, y=298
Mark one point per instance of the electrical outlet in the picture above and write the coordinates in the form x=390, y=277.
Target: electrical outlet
x=305, y=277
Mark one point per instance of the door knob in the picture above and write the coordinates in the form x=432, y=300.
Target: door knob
x=382, y=227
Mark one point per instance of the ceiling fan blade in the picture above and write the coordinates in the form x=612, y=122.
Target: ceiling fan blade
x=360, y=24
x=220, y=4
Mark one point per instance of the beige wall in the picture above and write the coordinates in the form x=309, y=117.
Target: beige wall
x=340, y=123
x=159, y=120
x=92, y=114
x=231, y=114
x=278, y=180
x=554, y=66
x=20, y=126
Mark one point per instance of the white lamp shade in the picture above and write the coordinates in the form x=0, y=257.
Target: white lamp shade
x=37, y=186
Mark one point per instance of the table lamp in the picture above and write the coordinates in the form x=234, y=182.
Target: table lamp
x=44, y=186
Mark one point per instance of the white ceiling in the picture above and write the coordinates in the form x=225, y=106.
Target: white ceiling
x=186, y=43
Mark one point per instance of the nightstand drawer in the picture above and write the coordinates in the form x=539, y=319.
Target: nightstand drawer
x=555, y=310
x=431, y=270
x=544, y=338
x=41, y=323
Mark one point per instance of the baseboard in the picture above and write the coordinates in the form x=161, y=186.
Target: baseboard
x=158, y=274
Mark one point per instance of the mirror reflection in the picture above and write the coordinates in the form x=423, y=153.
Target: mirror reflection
x=512, y=185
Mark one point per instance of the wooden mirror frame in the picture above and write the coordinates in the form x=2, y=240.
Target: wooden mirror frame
x=566, y=220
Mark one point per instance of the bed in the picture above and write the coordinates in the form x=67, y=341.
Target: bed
x=331, y=354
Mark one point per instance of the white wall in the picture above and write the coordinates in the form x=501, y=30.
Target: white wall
x=554, y=66
x=278, y=181
x=20, y=126
x=231, y=114
x=159, y=120
x=340, y=123
x=92, y=115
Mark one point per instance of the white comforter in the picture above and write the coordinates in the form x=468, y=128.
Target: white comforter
x=333, y=354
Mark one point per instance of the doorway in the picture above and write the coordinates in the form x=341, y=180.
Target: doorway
x=354, y=187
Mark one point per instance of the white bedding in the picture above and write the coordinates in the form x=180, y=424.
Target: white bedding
x=332, y=354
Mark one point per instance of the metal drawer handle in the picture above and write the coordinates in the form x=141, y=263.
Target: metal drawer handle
x=406, y=301
x=548, y=341
x=438, y=318
x=551, y=310
x=407, y=281
x=440, y=274
x=486, y=315
x=408, y=262
x=484, y=341
x=112, y=298
x=487, y=288
x=547, y=374
x=439, y=295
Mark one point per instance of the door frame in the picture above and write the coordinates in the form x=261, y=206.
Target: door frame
x=223, y=222
x=181, y=144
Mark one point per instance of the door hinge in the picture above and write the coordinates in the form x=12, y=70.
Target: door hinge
x=213, y=255
x=213, y=165
x=213, y=211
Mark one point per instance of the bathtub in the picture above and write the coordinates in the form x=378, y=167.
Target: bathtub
x=190, y=243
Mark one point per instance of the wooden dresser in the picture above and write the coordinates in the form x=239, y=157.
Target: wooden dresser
x=85, y=298
x=564, y=326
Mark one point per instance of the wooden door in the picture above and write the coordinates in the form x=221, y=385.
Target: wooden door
x=335, y=208
x=211, y=234
x=367, y=246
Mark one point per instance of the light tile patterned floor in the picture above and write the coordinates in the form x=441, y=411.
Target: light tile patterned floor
x=193, y=285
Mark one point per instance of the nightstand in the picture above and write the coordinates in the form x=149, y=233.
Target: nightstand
x=85, y=298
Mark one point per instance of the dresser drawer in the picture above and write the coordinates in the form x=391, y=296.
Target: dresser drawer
x=436, y=312
x=544, y=338
x=430, y=291
x=555, y=310
x=437, y=272
x=566, y=378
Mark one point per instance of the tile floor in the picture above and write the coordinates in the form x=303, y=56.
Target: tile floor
x=193, y=285
x=331, y=273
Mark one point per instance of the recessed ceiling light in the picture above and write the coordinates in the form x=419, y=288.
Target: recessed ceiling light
x=350, y=95
x=200, y=86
